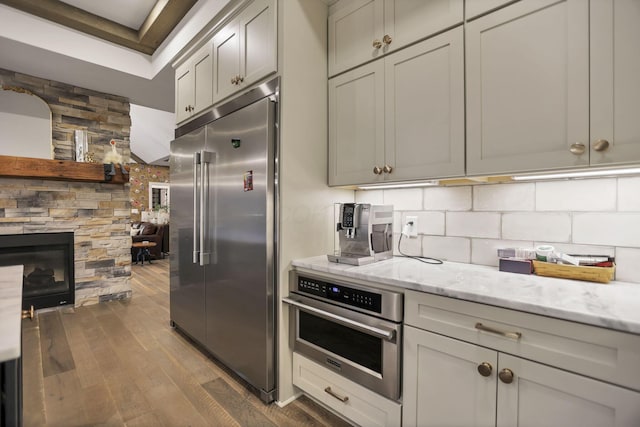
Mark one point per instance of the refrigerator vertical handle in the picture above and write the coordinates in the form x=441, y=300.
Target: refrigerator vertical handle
x=205, y=160
x=196, y=252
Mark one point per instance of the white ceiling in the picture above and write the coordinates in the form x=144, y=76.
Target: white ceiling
x=130, y=13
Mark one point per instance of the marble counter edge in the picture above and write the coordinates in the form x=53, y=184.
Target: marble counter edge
x=544, y=308
x=10, y=312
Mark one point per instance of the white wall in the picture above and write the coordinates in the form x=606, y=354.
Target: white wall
x=25, y=126
x=151, y=132
x=306, y=203
x=467, y=224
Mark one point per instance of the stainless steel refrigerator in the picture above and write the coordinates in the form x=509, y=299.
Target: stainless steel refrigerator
x=223, y=234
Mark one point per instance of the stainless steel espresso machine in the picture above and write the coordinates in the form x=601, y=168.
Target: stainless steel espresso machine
x=366, y=233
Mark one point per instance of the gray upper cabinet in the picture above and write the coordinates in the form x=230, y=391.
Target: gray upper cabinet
x=363, y=30
x=245, y=50
x=615, y=82
x=553, y=85
x=528, y=87
x=193, y=87
x=389, y=122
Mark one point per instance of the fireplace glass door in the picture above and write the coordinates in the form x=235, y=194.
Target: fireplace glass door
x=48, y=267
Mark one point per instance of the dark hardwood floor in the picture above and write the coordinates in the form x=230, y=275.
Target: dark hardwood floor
x=119, y=363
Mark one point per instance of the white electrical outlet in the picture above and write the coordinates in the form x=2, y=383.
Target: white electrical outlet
x=411, y=226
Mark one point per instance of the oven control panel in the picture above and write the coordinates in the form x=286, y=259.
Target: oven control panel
x=370, y=301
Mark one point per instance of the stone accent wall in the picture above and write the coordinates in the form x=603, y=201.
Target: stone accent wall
x=103, y=116
x=97, y=214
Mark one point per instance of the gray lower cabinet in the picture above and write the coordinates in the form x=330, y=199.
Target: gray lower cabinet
x=469, y=364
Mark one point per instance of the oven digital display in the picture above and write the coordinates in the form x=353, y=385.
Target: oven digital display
x=370, y=301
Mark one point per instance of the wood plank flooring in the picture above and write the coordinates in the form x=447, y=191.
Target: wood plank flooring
x=120, y=364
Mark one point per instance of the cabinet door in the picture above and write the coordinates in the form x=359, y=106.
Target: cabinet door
x=258, y=51
x=203, y=78
x=441, y=382
x=406, y=21
x=474, y=8
x=353, y=27
x=615, y=81
x=424, y=109
x=226, y=61
x=356, y=125
x=184, y=92
x=528, y=87
x=543, y=396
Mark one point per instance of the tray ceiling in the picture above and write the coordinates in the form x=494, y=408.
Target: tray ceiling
x=141, y=25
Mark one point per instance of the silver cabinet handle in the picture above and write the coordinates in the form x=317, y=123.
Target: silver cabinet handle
x=370, y=330
x=514, y=335
x=196, y=162
x=600, y=145
x=337, y=396
x=577, y=148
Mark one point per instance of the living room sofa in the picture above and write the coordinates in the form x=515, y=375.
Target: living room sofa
x=148, y=231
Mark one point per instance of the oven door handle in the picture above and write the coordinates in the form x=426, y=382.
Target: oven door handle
x=385, y=334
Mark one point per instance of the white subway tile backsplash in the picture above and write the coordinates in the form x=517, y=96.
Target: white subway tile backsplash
x=375, y=197
x=617, y=229
x=629, y=194
x=404, y=200
x=447, y=198
x=554, y=227
x=504, y=197
x=485, y=251
x=627, y=262
x=455, y=249
x=408, y=246
x=473, y=224
x=469, y=223
x=428, y=222
x=580, y=195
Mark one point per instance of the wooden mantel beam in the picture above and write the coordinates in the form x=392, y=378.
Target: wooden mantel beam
x=60, y=170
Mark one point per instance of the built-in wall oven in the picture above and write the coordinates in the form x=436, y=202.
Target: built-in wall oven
x=352, y=329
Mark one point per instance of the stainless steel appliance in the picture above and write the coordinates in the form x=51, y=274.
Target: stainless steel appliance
x=223, y=234
x=353, y=329
x=365, y=233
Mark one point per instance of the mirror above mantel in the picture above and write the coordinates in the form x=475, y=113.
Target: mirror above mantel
x=25, y=124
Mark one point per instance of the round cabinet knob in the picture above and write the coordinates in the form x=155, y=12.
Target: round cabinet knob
x=387, y=39
x=506, y=376
x=186, y=108
x=377, y=170
x=240, y=79
x=600, y=145
x=234, y=80
x=577, y=148
x=377, y=44
x=485, y=369
x=387, y=169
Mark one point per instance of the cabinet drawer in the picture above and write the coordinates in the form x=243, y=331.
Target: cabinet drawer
x=592, y=351
x=363, y=406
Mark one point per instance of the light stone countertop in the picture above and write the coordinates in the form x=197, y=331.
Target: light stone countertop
x=615, y=305
x=10, y=312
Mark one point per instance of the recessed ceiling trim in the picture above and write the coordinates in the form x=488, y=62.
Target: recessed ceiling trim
x=162, y=19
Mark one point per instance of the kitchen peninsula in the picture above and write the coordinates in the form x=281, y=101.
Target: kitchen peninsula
x=10, y=339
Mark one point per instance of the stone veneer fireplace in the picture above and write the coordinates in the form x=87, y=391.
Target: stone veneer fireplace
x=96, y=214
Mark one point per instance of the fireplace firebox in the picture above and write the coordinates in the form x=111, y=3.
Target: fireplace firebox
x=48, y=261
